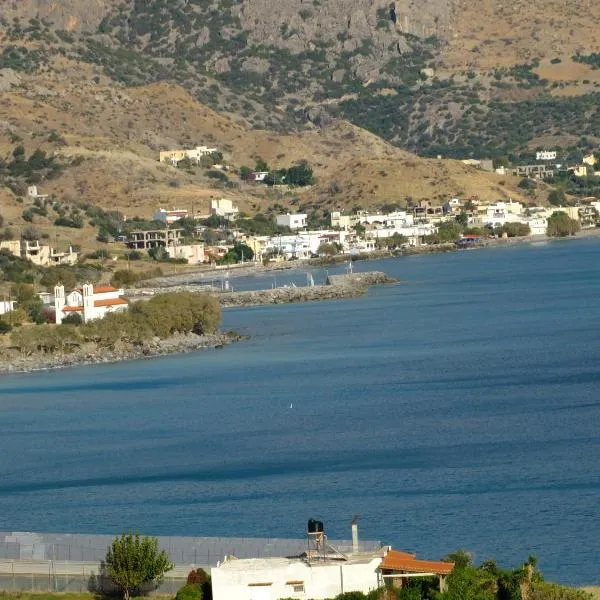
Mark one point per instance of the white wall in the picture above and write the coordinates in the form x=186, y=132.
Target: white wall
x=297, y=221
x=231, y=580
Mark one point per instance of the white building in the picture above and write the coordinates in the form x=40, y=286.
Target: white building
x=399, y=218
x=12, y=246
x=344, y=222
x=414, y=233
x=33, y=194
x=7, y=306
x=323, y=576
x=224, y=208
x=45, y=256
x=545, y=155
x=194, y=154
x=90, y=301
x=193, y=253
x=538, y=225
x=302, y=245
x=274, y=578
x=259, y=176
x=169, y=216
x=295, y=221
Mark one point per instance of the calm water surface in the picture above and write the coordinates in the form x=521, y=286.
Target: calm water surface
x=457, y=409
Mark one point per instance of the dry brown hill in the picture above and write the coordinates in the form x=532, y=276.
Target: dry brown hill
x=489, y=34
x=119, y=131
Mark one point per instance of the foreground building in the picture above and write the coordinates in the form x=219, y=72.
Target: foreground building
x=321, y=577
x=90, y=302
x=321, y=571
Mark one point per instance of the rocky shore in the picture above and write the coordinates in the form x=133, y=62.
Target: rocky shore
x=90, y=355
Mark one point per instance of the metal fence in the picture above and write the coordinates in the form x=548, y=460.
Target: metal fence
x=73, y=562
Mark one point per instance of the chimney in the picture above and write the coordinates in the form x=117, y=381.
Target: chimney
x=355, y=534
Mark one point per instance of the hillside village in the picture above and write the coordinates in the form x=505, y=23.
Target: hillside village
x=225, y=236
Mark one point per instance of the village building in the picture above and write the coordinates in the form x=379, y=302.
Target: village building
x=193, y=253
x=293, y=221
x=224, y=208
x=33, y=193
x=154, y=238
x=424, y=211
x=90, y=302
x=543, y=171
x=258, y=176
x=344, y=222
x=12, y=246
x=7, y=306
x=194, y=154
x=545, y=155
x=168, y=217
x=46, y=256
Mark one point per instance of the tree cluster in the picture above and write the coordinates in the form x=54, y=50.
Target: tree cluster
x=300, y=174
x=561, y=225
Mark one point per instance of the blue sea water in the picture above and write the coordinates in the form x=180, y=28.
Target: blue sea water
x=457, y=409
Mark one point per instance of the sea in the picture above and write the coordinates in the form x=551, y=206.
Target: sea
x=456, y=409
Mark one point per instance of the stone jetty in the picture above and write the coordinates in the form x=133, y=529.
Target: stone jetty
x=337, y=287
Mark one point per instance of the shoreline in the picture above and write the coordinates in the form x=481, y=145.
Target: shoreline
x=176, y=344
x=204, y=278
x=347, y=286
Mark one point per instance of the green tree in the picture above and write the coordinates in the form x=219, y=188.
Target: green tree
x=561, y=225
x=133, y=562
x=328, y=249
x=462, y=218
x=261, y=165
x=556, y=198
x=245, y=172
x=300, y=174
x=240, y=252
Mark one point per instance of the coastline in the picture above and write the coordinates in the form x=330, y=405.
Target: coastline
x=203, y=278
x=176, y=344
x=338, y=287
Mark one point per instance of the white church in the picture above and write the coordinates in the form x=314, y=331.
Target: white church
x=90, y=301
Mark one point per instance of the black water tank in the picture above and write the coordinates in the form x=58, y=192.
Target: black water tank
x=315, y=526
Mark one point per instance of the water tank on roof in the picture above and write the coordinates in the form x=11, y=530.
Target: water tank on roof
x=315, y=526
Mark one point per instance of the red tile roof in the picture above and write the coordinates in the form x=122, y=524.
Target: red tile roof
x=104, y=289
x=110, y=302
x=73, y=309
x=408, y=563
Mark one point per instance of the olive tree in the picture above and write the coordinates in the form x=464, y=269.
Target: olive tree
x=133, y=561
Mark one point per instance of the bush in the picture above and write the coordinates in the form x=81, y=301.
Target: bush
x=5, y=326
x=190, y=591
x=73, y=319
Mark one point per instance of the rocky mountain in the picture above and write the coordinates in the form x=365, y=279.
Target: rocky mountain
x=452, y=77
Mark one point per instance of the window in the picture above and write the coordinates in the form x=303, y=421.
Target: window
x=297, y=586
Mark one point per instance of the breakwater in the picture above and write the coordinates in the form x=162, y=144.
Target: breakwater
x=337, y=287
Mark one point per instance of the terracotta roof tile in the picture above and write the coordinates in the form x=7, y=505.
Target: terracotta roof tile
x=104, y=289
x=402, y=561
x=110, y=302
x=73, y=309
